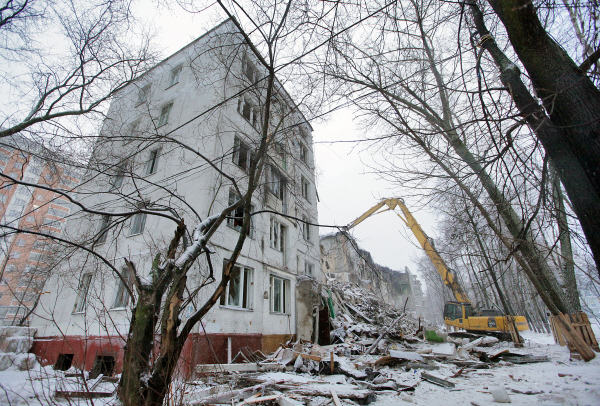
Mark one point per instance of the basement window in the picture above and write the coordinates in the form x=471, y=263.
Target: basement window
x=63, y=362
x=103, y=365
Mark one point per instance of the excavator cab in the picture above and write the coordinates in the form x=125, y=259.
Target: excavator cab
x=455, y=313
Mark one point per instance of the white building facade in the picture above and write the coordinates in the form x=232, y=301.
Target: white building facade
x=179, y=141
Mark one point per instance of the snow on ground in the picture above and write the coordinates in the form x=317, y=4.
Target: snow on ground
x=578, y=385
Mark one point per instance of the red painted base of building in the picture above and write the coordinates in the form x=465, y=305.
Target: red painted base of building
x=199, y=349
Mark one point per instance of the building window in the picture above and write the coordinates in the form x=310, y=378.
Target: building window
x=133, y=132
x=242, y=155
x=123, y=296
x=175, y=73
x=11, y=268
x=277, y=184
x=249, y=70
x=40, y=198
x=280, y=295
x=4, y=281
x=137, y=223
x=164, y=114
x=303, y=153
x=237, y=220
x=82, y=293
x=18, y=165
x=36, y=257
x=277, y=235
x=103, y=230
x=152, y=163
x=305, y=228
x=309, y=268
x=119, y=176
x=280, y=149
x=143, y=95
x=53, y=211
x=20, y=242
x=30, y=219
x=15, y=255
x=305, y=188
x=249, y=112
x=238, y=292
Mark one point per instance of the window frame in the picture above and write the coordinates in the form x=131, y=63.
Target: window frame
x=119, y=177
x=103, y=229
x=143, y=94
x=133, y=129
x=248, y=66
x=306, y=229
x=165, y=112
x=284, y=305
x=305, y=185
x=304, y=153
x=174, y=76
x=240, y=148
x=82, y=293
x=277, y=183
x=141, y=224
x=245, y=292
x=277, y=235
x=309, y=268
x=122, y=297
x=152, y=162
x=238, y=215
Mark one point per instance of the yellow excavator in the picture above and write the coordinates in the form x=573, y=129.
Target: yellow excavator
x=460, y=313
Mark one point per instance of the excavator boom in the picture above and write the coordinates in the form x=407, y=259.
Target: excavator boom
x=457, y=314
x=448, y=277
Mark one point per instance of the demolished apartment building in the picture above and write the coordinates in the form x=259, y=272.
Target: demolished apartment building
x=343, y=260
x=86, y=312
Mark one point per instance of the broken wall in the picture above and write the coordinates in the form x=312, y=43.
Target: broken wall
x=343, y=260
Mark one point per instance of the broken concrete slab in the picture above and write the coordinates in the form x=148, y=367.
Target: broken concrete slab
x=218, y=368
x=444, y=350
x=412, y=356
x=437, y=381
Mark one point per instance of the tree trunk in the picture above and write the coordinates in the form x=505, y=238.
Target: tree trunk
x=572, y=138
x=567, y=263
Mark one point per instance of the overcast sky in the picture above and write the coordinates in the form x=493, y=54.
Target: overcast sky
x=346, y=189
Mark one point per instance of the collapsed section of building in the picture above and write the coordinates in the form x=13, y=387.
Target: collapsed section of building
x=343, y=260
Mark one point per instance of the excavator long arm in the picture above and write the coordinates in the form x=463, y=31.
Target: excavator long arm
x=448, y=277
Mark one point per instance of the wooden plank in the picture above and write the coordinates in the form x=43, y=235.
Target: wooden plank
x=308, y=356
x=82, y=394
x=575, y=339
x=336, y=400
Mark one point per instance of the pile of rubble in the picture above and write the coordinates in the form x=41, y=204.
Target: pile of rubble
x=15, y=343
x=375, y=350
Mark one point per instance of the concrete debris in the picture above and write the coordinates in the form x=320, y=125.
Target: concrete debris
x=373, y=350
x=74, y=387
x=15, y=343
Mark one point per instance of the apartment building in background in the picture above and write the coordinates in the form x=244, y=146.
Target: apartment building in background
x=26, y=258
x=174, y=140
